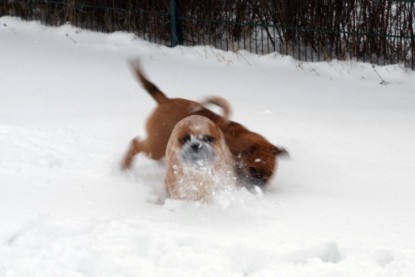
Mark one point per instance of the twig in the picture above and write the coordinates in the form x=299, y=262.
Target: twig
x=312, y=68
x=214, y=54
x=11, y=30
x=383, y=82
x=74, y=41
x=181, y=50
x=239, y=53
x=161, y=50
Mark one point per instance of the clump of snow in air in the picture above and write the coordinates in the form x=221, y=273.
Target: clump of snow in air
x=341, y=205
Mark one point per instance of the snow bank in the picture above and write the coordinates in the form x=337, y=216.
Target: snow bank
x=341, y=206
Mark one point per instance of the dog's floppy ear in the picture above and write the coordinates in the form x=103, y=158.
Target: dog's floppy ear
x=279, y=151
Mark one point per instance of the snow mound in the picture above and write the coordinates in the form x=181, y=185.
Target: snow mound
x=341, y=206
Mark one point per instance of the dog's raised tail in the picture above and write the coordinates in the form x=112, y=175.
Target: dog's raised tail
x=221, y=103
x=151, y=88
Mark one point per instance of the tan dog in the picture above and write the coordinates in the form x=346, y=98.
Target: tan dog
x=199, y=163
x=255, y=157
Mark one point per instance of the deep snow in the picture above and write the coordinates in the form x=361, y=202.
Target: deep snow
x=343, y=205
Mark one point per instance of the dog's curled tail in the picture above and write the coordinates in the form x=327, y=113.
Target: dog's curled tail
x=151, y=88
x=220, y=102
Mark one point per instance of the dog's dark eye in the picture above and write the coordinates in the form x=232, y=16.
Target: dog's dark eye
x=184, y=139
x=208, y=139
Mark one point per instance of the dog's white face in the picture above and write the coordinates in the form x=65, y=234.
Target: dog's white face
x=197, y=151
x=197, y=143
x=198, y=159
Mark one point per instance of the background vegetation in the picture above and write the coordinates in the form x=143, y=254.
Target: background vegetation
x=378, y=31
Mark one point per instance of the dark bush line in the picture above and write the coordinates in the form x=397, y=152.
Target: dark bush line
x=379, y=31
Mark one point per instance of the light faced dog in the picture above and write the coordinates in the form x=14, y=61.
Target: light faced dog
x=256, y=158
x=199, y=163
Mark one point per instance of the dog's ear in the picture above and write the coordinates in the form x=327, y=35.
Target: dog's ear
x=279, y=151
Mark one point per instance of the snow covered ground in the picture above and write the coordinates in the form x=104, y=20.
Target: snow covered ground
x=343, y=205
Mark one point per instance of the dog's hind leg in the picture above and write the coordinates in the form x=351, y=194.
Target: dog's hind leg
x=136, y=146
x=133, y=150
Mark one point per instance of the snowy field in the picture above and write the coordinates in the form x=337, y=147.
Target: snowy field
x=343, y=205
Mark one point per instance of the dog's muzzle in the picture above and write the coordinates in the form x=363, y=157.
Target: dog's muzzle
x=197, y=154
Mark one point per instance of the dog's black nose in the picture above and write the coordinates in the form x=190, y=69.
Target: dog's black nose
x=257, y=177
x=196, y=146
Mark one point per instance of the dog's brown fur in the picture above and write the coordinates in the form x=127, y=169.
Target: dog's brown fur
x=198, y=179
x=255, y=157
